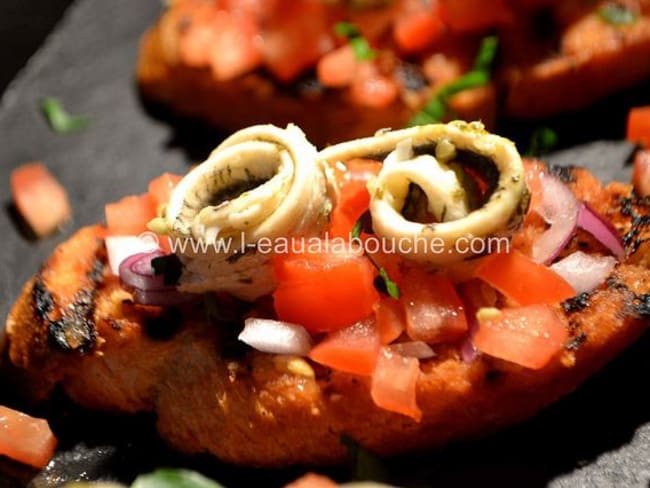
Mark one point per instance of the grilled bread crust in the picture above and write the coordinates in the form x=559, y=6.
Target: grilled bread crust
x=74, y=325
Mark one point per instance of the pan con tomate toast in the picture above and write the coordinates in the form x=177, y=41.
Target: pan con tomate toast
x=269, y=358
x=345, y=69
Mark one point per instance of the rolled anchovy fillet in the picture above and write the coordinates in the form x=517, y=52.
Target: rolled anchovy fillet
x=261, y=184
x=424, y=202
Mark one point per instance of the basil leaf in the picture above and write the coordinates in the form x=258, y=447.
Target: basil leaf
x=542, y=141
x=365, y=465
x=362, y=50
x=356, y=230
x=391, y=286
x=436, y=108
x=170, y=267
x=60, y=121
x=486, y=53
x=616, y=14
x=346, y=29
x=174, y=478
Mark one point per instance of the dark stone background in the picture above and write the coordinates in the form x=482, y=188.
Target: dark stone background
x=24, y=24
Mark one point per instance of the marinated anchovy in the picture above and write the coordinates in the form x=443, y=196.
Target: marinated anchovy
x=424, y=199
x=263, y=182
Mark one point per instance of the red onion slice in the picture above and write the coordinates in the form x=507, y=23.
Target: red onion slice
x=560, y=209
x=136, y=271
x=602, y=230
x=118, y=248
x=414, y=349
x=584, y=272
x=276, y=337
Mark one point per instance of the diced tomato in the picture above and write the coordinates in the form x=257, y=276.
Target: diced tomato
x=372, y=89
x=236, y=47
x=324, y=289
x=638, y=126
x=197, y=40
x=296, y=34
x=523, y=280
x=351, y=350
x=354, y=198
x=529, y=336
x=475, y=15
x=130, y=215
x=434, y=311
x=534, y=174
x=337, y=68
x=25, y=439
x=390, y=319
x=641, y=176
x=311, y=480
x=418, y=26
x=161, y=188
x=394, y=384
x=39, y=198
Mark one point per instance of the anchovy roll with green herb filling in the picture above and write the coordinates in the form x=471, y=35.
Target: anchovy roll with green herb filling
x=263, y=182
x=440, y=186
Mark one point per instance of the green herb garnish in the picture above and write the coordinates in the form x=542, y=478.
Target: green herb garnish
x=616, y=14
x=356, y=230
x=542, y=141
x=365, y=465
x=61, y=121
x=358, y=43
x=391, y=286
x=174, y=478
x=436, y=108
x=170, y=267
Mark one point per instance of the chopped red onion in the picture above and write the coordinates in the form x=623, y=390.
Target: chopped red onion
x=136, y=271
x=276, y=337
x=560, y=209
x=583, y=271
x=118, y=248
x=414, y=349
x=602, y=230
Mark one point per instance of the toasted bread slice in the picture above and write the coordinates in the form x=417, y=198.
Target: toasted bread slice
x=74, y=325
x=561, y=57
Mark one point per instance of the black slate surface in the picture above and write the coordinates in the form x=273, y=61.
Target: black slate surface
x=598, y=436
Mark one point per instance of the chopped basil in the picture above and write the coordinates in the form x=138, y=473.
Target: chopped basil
x=174, y=478
x=169, y=266
x=365, y=465
x=616, y=14
x=436, y=108
x=61, y=121
x=391, y=286
x=359, y=44
x=363, y=224
x=356, y=230
x=542, y=141
x=346, y=29
x=361, y=48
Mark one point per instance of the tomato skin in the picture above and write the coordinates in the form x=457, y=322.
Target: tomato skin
x=474, y=15
x=394, y=384
x=529, y=336
x=39, y=198
x=641, y=176
x=534, y=174
x=161, y=188
x=130, y=215
x=638, y=126
x=324, y=291
x=295, y=36
x=418, y=26
x=354, y=198
x=353, y=349
x=25, y=439
x=337, y=68
x=434, y=311
x=390, y=319
x=523, y=280
x=372, y=89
